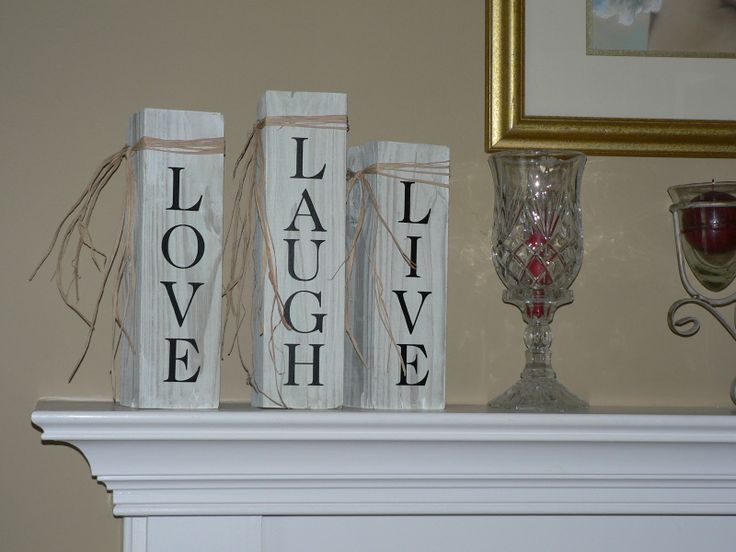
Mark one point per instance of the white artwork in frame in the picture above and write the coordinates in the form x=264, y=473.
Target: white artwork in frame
x=562, y=80
x=543, y=90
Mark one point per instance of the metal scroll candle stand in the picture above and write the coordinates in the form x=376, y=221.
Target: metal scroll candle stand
x=537, y=252
x=704, y=217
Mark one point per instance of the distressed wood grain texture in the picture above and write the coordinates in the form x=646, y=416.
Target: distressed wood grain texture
x=162, y=339
x=304, y=208
x=415, y=300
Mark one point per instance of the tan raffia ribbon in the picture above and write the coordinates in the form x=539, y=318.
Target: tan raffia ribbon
x=77, y=220
x=428, y=173
x=249, y=217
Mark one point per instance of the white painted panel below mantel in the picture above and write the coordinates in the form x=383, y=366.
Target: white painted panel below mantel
x=204, y=534
x=499, y=533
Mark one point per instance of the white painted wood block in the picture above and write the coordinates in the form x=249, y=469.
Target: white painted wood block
x=173, y=289
x=414, y=297
x=304, y=204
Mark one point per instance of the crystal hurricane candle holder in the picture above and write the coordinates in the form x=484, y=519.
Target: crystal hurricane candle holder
x=537, y=251
x=704, y=218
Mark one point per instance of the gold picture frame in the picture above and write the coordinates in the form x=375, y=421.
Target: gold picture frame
x=508, y=127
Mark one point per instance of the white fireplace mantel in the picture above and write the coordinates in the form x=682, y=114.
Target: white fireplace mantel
x=246, y=468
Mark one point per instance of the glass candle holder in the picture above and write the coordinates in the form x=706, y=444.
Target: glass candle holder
x=704, y=219
x=537, y=251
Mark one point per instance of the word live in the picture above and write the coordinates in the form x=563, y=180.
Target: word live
x=410, y=321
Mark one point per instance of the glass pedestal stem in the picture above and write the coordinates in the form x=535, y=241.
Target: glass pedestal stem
x=538, y=339
x=538, y=389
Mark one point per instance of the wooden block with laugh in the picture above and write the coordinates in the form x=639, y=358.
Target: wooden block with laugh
x=300, y=249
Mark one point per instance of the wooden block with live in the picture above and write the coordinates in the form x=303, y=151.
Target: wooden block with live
x=172, y=286
x=397, y=293
x=299, y=316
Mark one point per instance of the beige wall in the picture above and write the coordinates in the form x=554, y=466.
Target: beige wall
x=72, y=71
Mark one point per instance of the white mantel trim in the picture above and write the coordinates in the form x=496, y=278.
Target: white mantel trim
x=240, y=461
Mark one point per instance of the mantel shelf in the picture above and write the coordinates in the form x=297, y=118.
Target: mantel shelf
x=243, y=461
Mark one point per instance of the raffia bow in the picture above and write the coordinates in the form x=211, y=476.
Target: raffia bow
x=249, y=216
x=120, y=260
x=429, y=171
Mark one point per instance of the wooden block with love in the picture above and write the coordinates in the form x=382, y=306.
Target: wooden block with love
x=172, y=283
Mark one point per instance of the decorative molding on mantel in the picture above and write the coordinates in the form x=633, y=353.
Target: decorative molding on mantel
x=242, y=461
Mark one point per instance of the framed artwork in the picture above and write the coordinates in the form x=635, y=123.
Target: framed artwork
x=671, y=28
x=552, y=80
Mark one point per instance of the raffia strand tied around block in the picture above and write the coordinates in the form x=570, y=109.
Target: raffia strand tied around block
x=428, y=173
x=120, y=258
x=249, y=216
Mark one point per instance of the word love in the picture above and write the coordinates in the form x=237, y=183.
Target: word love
x=184, y=232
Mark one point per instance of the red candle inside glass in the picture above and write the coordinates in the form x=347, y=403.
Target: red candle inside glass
x=711, y=230
x=538, y=270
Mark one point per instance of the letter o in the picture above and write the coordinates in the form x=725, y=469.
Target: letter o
x=165, y=246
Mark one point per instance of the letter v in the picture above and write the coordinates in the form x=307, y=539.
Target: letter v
x=174, y=303
x=409, y=322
